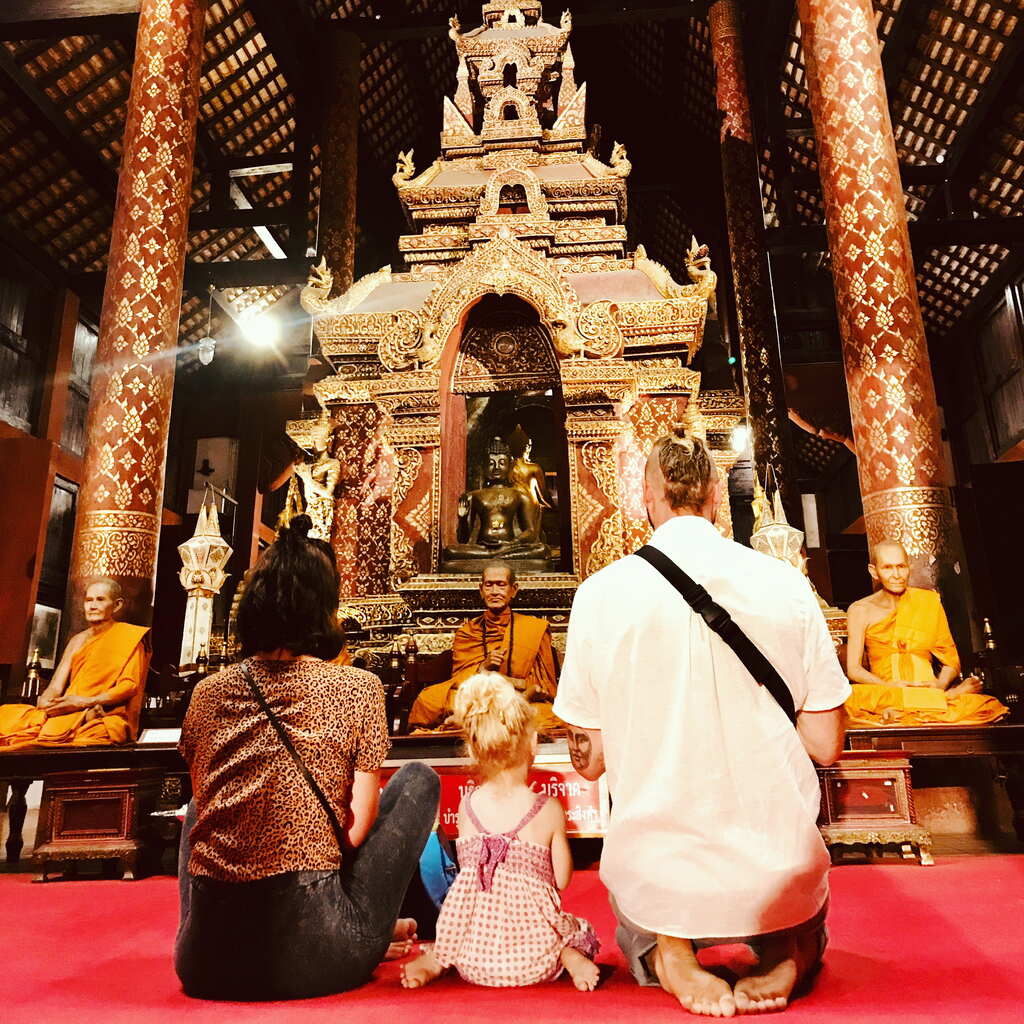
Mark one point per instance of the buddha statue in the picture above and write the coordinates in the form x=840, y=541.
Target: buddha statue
x=498, y=521
x=528, y=476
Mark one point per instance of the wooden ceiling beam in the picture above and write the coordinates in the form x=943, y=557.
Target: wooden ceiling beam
x=222, y=274
x=422, y=26
x=1005, y=231
x=291, y=35
x=899, y=46
x=81, y=157
x=58, y=19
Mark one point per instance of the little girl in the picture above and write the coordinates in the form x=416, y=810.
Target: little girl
x=502, y=922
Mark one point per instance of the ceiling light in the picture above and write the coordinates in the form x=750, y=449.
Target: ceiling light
x=739, y=439
x=262, y=330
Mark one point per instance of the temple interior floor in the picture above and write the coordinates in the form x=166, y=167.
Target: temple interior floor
x=908, y=944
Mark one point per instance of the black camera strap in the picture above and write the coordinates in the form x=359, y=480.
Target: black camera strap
x=339, y=834
x=721, y=622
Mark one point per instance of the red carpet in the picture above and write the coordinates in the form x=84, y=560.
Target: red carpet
x=909, y=944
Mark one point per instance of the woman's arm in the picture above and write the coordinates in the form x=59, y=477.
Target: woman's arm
x=362, y=810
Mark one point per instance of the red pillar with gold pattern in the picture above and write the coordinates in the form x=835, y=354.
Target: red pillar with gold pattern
x=903, y=480
x=755, y=307
x=121, y=498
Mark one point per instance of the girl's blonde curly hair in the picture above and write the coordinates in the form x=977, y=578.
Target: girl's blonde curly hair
x=498, y=722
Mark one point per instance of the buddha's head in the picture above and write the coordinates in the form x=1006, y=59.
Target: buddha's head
x=889, y=567
x=499, y=462
x=103, y=600
x=498, y=586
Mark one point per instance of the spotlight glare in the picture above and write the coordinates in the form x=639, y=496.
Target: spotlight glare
x=262, y=330
x=739, y=439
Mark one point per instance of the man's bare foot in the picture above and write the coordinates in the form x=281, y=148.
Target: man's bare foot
x=421, y=971
x=971, y=684
x=769, y=986
x=697, y=990
x=402, y=939
x=582, y=969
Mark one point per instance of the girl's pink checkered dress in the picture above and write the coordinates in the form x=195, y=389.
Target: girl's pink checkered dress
x=502, y=923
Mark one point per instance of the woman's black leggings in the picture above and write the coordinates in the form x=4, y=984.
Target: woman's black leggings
x=305, y=933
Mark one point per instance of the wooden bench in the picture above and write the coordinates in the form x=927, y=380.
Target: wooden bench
x=20, y=768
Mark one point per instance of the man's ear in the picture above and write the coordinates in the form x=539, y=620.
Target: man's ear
x=873, y=573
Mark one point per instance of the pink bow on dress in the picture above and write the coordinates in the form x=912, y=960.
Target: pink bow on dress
x=493, y=850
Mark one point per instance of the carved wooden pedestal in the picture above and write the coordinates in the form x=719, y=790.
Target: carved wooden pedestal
x=867, y=799
x=93, y=816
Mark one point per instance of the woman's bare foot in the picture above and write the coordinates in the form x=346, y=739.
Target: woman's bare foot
x=421, y=971
x=582, y=969
x=697, y=990
x=768, y=987
x=402, y=939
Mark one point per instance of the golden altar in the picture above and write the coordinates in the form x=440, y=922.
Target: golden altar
x=518, y=310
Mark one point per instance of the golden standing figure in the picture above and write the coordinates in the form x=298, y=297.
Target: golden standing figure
x=320, y=480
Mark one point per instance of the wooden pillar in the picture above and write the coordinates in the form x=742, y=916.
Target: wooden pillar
x=54, y=404
x=760, y=356
x=896, y=432
x=336, y=239
x=120, y=501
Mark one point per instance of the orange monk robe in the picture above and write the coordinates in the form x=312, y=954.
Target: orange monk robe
x=532, y=661
x=900, y=647
x=116, y=660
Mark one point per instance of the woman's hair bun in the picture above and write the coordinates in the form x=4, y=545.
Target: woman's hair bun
x=298, y=528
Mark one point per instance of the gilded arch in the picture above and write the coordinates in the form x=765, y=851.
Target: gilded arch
x=514, y=176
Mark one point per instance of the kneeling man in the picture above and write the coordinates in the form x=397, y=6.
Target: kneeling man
x=901, y=629
x=96, y=692
x=713, y=837
x=500, y=640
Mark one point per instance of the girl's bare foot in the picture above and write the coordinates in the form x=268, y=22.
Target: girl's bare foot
x=421, y=971
x=770, y=985
x=582, y=969
x=697, y=990
x=402, y=939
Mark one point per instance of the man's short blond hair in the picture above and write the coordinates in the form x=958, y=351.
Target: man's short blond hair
x=687, y=468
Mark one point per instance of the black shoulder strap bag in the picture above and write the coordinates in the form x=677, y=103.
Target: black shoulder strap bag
x=721, y=622
x=339, y=834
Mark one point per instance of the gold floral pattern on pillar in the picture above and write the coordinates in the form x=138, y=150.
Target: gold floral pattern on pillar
x=126, y=439
x=892, y=396
x=761, y=359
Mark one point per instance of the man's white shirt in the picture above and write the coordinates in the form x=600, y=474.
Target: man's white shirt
x=714, y=800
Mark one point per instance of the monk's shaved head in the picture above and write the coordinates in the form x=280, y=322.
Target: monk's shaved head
x=497, y=565
x=888, y=551
x=113, y=588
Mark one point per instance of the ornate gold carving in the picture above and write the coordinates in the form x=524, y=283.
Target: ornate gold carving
x=506, y=354
x=597, y=326
x=408, y=462
x=385, y=610
x=920, y=518
x=117, y=544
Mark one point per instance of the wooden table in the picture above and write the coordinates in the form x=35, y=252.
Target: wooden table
x=1004, y=742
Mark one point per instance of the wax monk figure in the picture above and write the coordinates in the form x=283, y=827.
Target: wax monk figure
x=96, y=693
x=902, y=629
x=500, y=640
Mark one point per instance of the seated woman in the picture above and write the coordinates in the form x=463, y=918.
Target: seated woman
x=293, y=864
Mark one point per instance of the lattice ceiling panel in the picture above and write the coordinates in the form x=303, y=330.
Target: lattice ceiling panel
x=949, y=279
x=953, y=49
x=814, y=454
